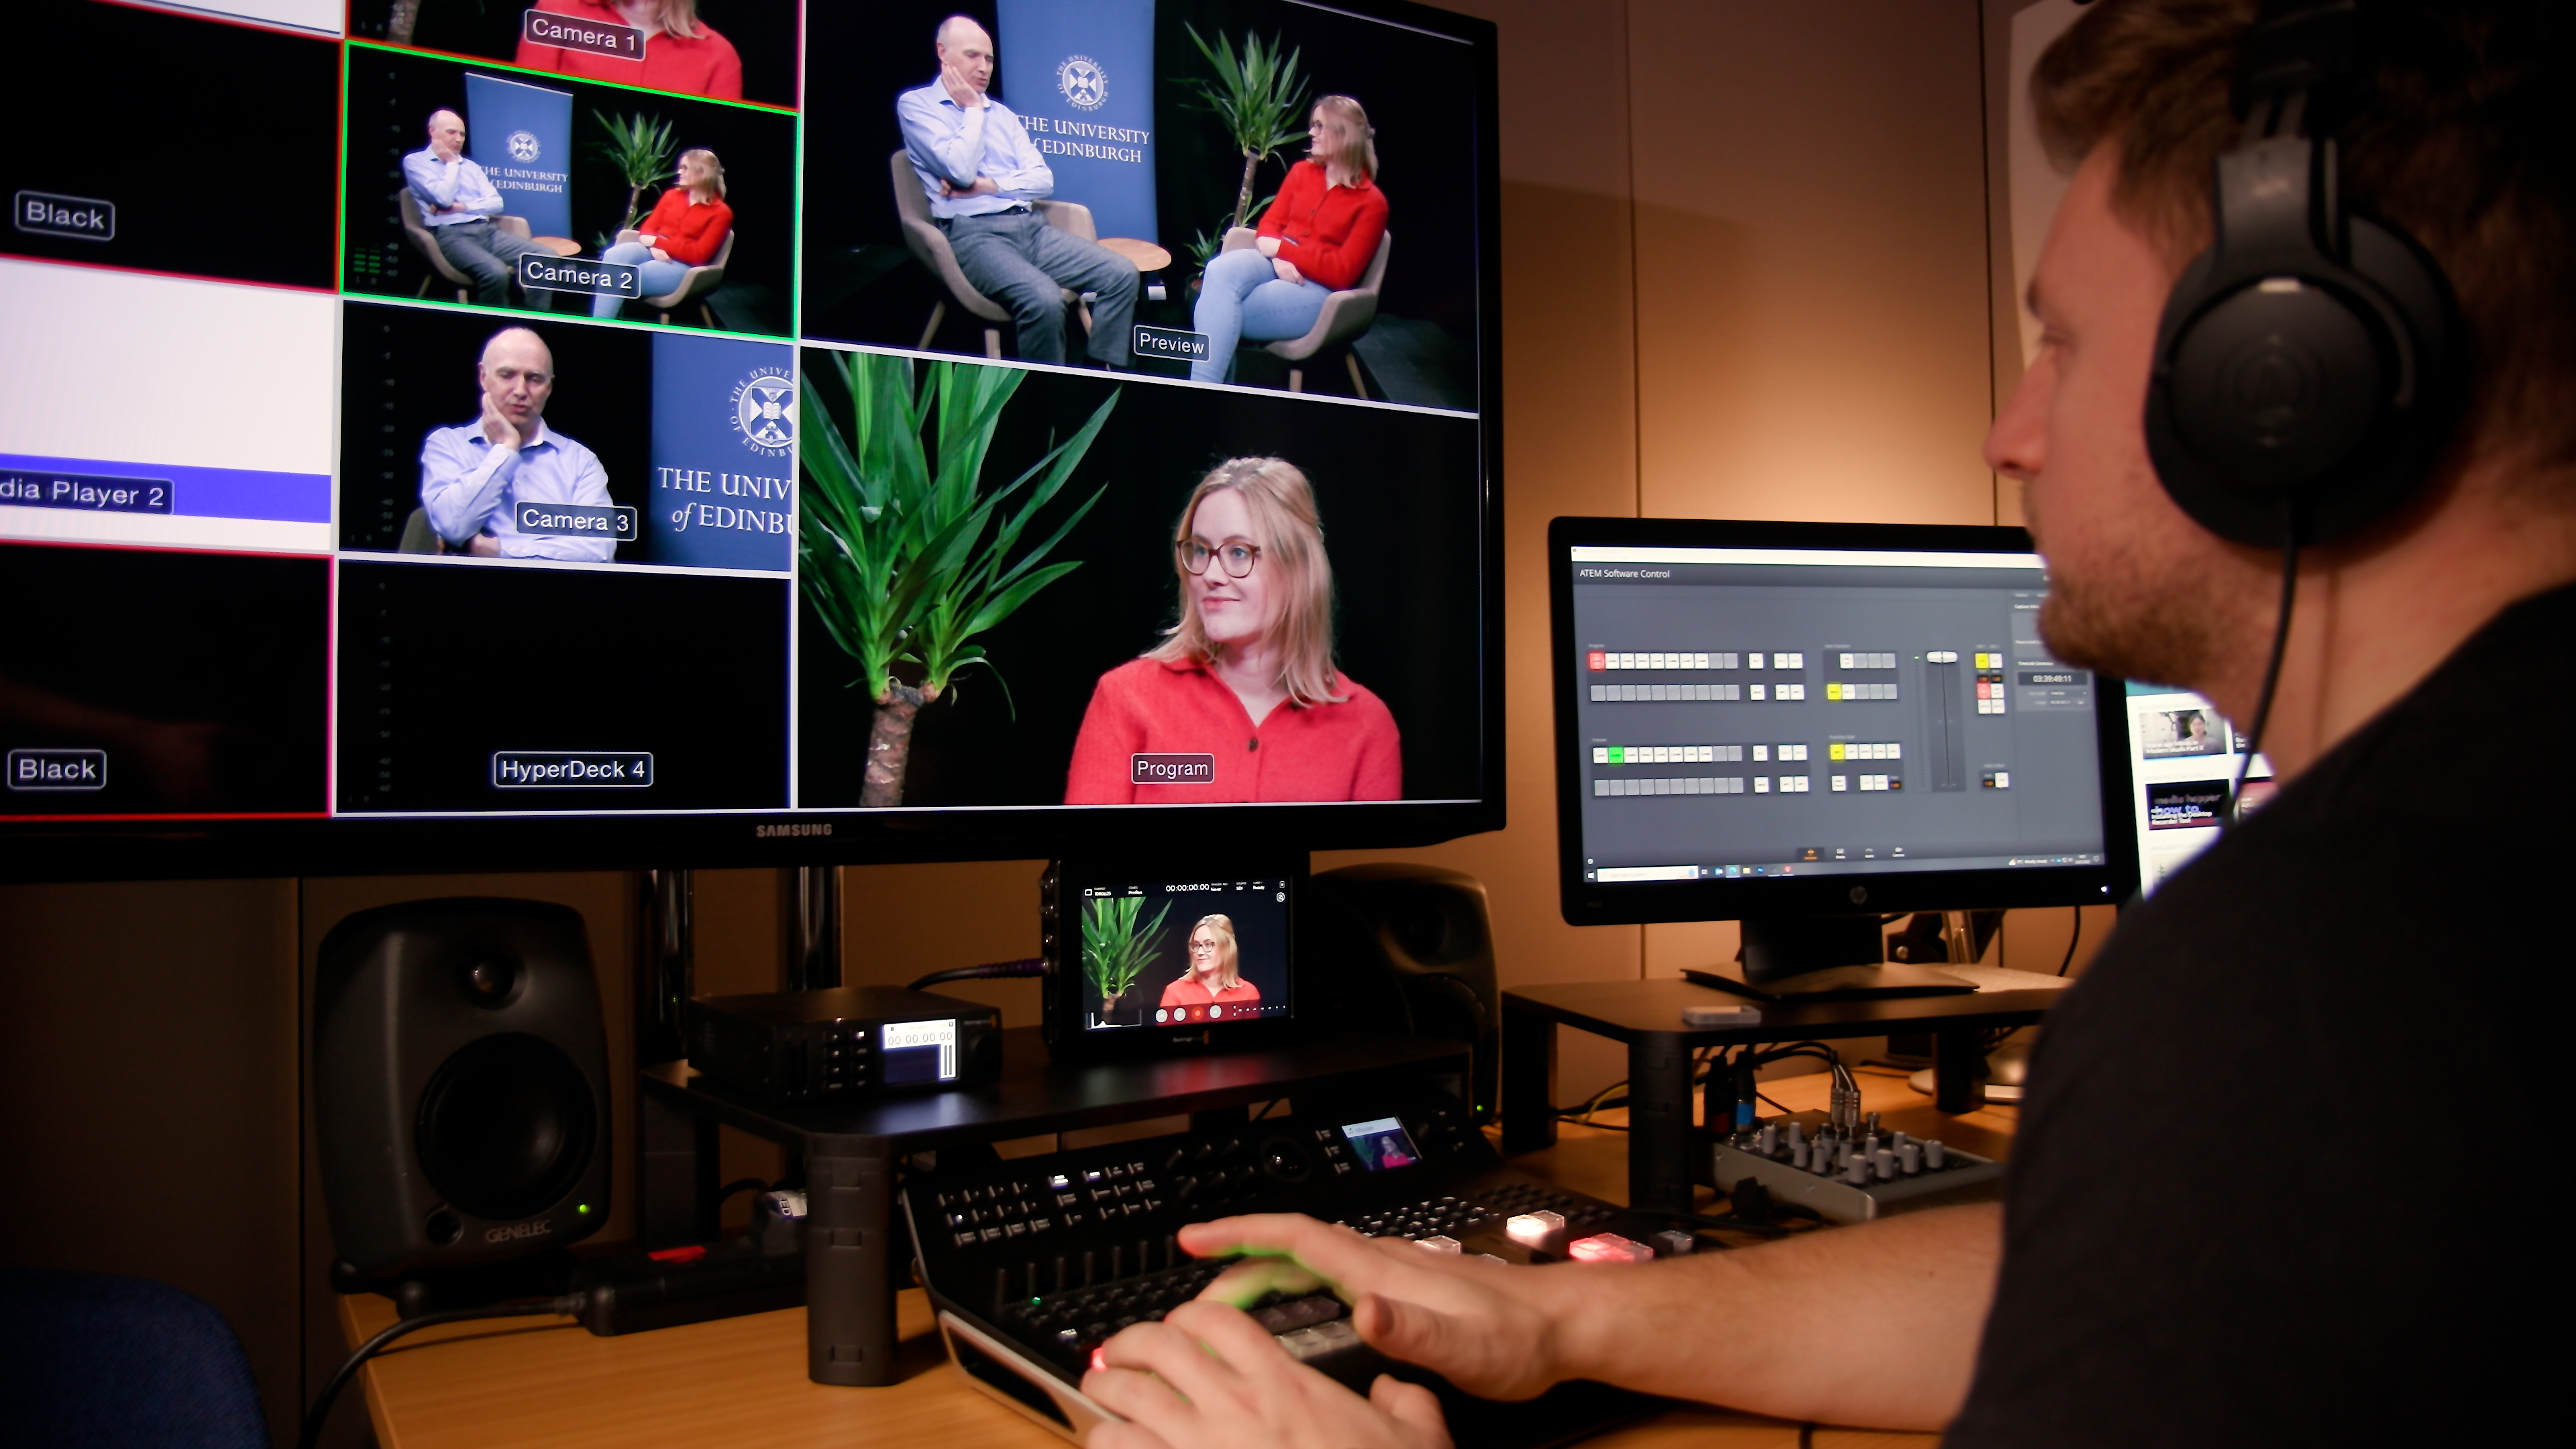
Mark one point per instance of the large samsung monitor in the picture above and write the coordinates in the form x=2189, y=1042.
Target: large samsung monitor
x=1805, y=727
x=510, y=436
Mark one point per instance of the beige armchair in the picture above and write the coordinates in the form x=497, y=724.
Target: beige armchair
x=1346, y=315
x=930, y=247
x=440, y=268
x=694, y=286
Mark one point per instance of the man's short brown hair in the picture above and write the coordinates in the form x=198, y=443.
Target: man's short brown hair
x=2457, y=140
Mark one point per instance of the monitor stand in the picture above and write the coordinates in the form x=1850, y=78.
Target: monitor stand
x=1821, y=958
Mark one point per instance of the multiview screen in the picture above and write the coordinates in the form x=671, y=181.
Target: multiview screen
x=576, y=411
x=1749, y=716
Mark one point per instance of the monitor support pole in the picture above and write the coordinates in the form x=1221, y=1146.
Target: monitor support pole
x=812, y=894
x=676, y=1166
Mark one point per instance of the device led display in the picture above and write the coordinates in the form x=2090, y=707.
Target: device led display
x=910, y=1052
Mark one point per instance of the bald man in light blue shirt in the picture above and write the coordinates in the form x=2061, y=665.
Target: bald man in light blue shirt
x=458, y=202
x=473, y=478
x=983, y=179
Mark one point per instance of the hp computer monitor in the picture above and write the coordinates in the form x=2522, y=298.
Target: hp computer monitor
x=567, y=444
x=1806, y=726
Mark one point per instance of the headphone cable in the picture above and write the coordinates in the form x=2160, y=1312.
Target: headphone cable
x=2272, y=670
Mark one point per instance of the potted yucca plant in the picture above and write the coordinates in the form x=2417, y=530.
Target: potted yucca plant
x=641, y=149
x=1116, y=950
x=905, y=555
x=1258, y=97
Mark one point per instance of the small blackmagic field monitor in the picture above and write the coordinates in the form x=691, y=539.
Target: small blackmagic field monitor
x=1806, y=726
x=1147, y=957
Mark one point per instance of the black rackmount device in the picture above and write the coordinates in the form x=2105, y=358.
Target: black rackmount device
x=1033, y=1262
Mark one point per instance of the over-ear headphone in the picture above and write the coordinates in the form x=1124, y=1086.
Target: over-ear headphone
x=2309, y=365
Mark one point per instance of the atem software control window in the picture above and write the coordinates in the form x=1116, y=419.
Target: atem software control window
x=1791, y=712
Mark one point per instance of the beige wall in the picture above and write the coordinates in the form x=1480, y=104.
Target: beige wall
x=1749, y=262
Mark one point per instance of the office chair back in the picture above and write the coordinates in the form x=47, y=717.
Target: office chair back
x=121, y=1363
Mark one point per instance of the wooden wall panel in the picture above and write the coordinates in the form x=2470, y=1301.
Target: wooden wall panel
x=1811, y=259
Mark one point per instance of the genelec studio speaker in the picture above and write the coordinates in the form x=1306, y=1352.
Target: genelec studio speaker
x=460, y=1084
x=1409, y=947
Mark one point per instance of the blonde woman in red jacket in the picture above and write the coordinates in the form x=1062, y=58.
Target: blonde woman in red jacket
x=1241, y=702
x=687, y=229
x=1315, y=240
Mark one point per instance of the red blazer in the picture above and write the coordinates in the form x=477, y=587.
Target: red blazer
x=1346, y=751
x=706, y=66
x=1329, y=232
x=689, y=233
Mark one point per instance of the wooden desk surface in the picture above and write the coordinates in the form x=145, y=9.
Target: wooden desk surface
x=527, y=1381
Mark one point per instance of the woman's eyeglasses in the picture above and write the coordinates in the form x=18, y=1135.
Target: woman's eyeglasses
x=1236, y=556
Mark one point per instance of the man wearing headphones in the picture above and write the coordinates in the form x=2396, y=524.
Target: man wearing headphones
x=2284, y=1173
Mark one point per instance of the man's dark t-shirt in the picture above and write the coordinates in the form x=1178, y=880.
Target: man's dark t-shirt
x=2292, y=1141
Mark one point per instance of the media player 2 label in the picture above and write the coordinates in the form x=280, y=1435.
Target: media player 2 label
x=1172, y=769
x=45, y=214
x=58, y=769
x=86, y=491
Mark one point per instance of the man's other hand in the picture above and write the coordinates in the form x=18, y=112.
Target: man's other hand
x=1490, y=1328
x=483, y=545
x=959, y=88
x=984, y=186
x=497, y=429
x=1208, y=1377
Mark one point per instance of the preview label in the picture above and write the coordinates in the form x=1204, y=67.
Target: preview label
x=1172, y=769
x=58, y=769
x=572, y=769
x=45, y=214
x=599, y=279
x=624, y=42
x=577, y=520
x=91, y=493
x=1170, y=342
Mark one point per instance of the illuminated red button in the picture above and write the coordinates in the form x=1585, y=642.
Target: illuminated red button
x=1609, y=1248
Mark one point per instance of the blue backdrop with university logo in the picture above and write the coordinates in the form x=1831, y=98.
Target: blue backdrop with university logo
x=521, y=135
x=1081, y=78
x=724, y=477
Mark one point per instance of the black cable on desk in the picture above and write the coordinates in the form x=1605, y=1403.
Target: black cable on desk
x=1025, y=966
x=570, y=1305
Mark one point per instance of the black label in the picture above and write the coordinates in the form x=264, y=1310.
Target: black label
x=1172, y=769
x=46, y=214
x=1170, y=342
x=58, y=769
x=575, y=520
x=563, y=32
x=557, y=274
x=572, y=769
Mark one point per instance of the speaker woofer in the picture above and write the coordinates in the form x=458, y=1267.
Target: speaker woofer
x=506, y=1127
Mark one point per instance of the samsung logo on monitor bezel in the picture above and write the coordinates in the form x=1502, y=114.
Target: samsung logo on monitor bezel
x=781, y=832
